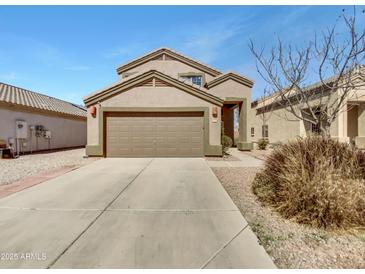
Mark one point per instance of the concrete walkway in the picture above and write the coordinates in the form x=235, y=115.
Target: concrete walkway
x=128, y=213
x=245, y=160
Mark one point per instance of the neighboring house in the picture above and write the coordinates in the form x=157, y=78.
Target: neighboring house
x=31, y=122
x=166, y=104
x=271, y=119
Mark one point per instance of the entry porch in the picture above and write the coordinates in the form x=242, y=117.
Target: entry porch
x=235, y=122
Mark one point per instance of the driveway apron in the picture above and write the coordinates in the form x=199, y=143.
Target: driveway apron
x=128, y=213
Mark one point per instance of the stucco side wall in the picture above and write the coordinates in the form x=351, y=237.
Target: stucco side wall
x=284, y=126
x=340, y=128
x=93, y=127
x=231, y=88
x=155, y=97
x=65, y=132
x=169, y=67
x=281, y=129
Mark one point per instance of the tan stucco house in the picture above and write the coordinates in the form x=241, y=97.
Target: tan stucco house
x=30, y=121
x=271, y=119
x=167, y=104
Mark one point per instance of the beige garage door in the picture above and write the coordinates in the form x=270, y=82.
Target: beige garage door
x=154, y=134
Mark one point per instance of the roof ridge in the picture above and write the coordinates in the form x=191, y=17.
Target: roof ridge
x=232, y=72
x=188, y=57
x=209, y=67
x=235, y=76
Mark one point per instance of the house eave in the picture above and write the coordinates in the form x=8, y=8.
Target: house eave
x=230, y=76
x=134, y=63
x=126, y=85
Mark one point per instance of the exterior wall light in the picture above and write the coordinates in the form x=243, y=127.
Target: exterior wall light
x=215, y=112
x=92, y=111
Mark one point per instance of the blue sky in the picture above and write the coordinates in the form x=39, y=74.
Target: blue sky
x=70, y=51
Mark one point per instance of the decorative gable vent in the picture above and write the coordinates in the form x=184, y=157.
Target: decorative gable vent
x=162, y=57
x=154, y=82
x=148, y=83
x=159, y=83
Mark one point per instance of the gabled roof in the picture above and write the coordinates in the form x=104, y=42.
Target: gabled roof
x=136, y=79
x=230, y=75
x=171, y=53
x=26, y=98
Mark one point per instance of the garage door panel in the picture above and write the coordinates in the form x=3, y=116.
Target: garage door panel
x=124, y=128
x=163, y=135
x=166, y=152
x=196, y=140
x=142, y=151
x=183, y=140
x=142, y=139
x=123, y=144
x=161, y=130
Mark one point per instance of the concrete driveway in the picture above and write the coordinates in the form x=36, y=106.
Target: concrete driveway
x=128, y=213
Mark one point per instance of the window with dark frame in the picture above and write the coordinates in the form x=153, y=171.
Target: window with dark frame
x=265, y=131
x=194, y=79
x=252, y=132
x=315, y=127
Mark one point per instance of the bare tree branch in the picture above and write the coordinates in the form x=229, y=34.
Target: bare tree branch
x=337, y=54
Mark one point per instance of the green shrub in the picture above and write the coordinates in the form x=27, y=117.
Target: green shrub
x=316, y=181
x=226, y=143
x=262, y=143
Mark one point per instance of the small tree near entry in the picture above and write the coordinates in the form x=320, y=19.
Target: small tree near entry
x=227, y=141
x=336, y=58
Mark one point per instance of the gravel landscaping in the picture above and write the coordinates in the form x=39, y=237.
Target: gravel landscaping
x=15, y=169
x=290, y=244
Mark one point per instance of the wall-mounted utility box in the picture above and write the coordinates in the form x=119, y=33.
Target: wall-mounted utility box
x=39, y=129
x=21, y=129
x=47, y=134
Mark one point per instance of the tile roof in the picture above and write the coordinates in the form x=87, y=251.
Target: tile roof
x=19, y=96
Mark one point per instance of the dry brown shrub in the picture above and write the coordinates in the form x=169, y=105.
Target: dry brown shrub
x=316, y=181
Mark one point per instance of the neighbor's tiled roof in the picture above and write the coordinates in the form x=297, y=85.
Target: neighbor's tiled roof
x=18, y=96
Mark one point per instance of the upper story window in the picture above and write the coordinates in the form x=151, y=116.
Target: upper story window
x=197, y=80
x=194, y=79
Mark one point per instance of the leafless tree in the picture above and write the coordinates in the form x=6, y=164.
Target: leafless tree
x=334, y=59
x=266, y=107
